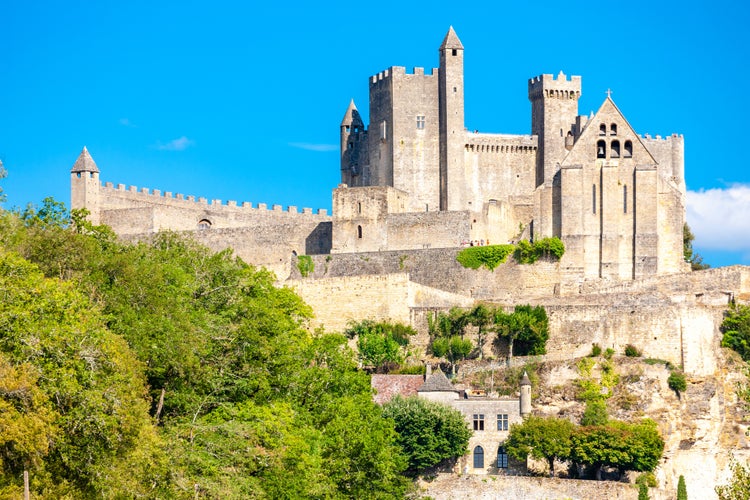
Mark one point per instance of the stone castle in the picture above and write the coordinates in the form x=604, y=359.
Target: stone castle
x=416, y=178
x=417, y=187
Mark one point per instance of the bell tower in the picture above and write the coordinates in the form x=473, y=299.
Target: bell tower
x=84, y=185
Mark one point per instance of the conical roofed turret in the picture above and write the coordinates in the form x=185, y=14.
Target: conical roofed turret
x=84, y=163
x=451, y=41
x=351, y=117
x=525, y=380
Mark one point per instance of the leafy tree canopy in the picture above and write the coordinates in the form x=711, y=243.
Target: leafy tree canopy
x=429, y=432
x=736, y=330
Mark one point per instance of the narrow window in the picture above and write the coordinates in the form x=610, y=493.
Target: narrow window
x=454, y=52
x=383, y=130
x=502, y=458
x=478, y=457
x=615, y=151
x=359, y=208
x=502, y=422
x=359, y=232
x=593, y=198
x=628, y=150
x=625, y=199
x=613, y=129
x=356, y=130
x=601, y=149
x=602, y=129
x=350, y=145
x=347, y=128
x=478, y=422
x=78, y=175
x=420, y=122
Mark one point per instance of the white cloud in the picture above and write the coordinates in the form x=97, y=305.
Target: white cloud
x=180, y=144
x=126, y=122
x=321, y=148
x=720, y=218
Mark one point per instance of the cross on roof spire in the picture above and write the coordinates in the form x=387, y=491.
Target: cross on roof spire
x=609, y=93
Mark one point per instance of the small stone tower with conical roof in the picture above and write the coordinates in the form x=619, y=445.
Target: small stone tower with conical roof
x=452, y=131
x=84, y=185
x=525, y=396
x=354, y=151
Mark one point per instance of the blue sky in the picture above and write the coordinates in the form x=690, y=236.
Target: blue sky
x=242, y=100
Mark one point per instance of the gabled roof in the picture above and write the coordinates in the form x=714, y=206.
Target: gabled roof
x=85, y=163
x=451, y=40
x=608, y=107
x=351, y=117
x=437, y=382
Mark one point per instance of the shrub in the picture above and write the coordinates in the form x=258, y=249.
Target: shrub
x=609, y=353
x=549, y=248
x=643, y=492
x=648, y=478
x=681, y=489
x=677, y=382
x=489, y=256
x=596, y=350
x=632, y=351
x=305, y=265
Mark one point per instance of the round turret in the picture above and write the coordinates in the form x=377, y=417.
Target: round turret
x=525, y=395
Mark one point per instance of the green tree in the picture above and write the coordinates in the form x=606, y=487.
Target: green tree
x=738, y=487
x=429, y=432
x=736, y=329
x=454, y=349
x=681, y=489
x=61, y=361
x=695, y=260
x=481, y=317
x=544, y=438
x=381, y=344
x=595, y=413
x=525, y=330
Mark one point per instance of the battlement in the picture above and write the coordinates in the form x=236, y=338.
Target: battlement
x=397, y=71
x=500, y=143
x=674, y=138
x=548, y=86
x=156, y=196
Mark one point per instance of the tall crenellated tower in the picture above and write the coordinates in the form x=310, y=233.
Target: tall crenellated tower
x=452, y=130
x=84, y=185
x=554, y=107
x=353, y=148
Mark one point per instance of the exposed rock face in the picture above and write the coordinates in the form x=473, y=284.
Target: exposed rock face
x=702, y=428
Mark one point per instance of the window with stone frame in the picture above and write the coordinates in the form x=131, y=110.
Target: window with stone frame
x=502, y=422
x=502, y=458
x=479, y=457
x=478, y=422
x=420, y=122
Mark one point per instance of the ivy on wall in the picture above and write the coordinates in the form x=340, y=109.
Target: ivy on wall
x=305, y=265
x=492, y=256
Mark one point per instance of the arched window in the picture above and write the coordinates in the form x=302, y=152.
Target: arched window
x=204, y=224
x=625, y=199
x=359, y=232
x=628, y=153
x=615, y=151
x=502, y=458
x=602, y=129
x=613, y=129
x=601, y=149
x=478, y=457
